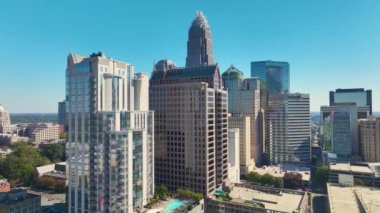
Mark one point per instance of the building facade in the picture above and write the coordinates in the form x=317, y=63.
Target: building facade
x=243, y=123
x=358, y=96
x=369, y=139
x=233, y=155
x=339, y=130
x=62, y=116
x=244, y=100
x=110, y=144
x=20, y=201
x=288, y=128
x=190, y=107
x=5, y=121
x=273, y=74
x=43, y=132
x=199, y=44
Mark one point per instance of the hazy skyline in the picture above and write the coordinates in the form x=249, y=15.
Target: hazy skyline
x=329, y=44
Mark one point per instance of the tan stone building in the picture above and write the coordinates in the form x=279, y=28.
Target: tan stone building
x=369, y=139
x=243, y=123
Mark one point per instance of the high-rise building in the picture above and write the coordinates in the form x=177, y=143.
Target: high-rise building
x=288, y=128
x=339, y=130
x=191, y=136
x=233, y=155
x=5, y=120
x=244, y=99
x=243, y=123
x=110, y=143
x=274, y=75
x=369, y=139
x=360, y=97
x=62, y=116
x=199, y=44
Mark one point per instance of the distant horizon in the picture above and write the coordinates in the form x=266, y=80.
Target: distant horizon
x=328, y=44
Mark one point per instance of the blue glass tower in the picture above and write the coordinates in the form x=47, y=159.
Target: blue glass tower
x=274, y=74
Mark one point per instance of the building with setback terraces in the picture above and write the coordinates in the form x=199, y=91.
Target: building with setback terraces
x=191, y=135
x=110, y=144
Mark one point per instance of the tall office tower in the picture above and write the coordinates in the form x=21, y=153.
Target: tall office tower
x=244, y=99
x=288, y=128
x=273, y=74
x=362, y=98
x=233, y=155
x=62, y=116
x=243, y=123
x=369, y=137
x=339, y=130
x=199, y=44
x=190, y=107
x=110, y=146
x=4, y=119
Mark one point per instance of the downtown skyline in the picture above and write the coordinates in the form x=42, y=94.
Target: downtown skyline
x=328, y=45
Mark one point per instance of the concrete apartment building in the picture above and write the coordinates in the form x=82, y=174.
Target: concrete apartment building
x=20, y=201
x=244, y=100
x=110, y=138
x=288, y=128
x=243, y=123
x=369, y=139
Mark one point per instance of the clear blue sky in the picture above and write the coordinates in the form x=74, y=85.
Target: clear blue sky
x=328, y=43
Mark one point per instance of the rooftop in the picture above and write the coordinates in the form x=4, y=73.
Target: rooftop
x=280, y=170
x=350, y=199
x=357, y=168
x=283, y=200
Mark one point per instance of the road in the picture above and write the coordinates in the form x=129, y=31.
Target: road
x=319, y=203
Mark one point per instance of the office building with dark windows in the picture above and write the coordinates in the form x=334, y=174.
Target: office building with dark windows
x=288, y=128
x=360, y=97
x=191, y=133
x=110, y=137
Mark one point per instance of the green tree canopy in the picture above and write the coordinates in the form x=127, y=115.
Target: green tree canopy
x=322, y=175
x=55, y=152
x=293, y=180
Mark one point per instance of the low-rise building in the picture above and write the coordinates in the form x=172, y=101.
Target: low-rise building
x=43, y=132
x=56, y=171
x=20, y=201
x=353, y=199
x=246, y=198
x=280, y=170
x=367, y=172
x=4, y=186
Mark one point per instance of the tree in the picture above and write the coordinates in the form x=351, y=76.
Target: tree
x=322, y=175
x=19, y=166
x=162, y=191
x=292, y=180
x=254, y=177
x=55, y=152
x=267, y=179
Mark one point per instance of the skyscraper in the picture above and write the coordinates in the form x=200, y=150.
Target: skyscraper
x=110, y=144
x=369, y=135
x=360, y=97
x=62, y=116
x=199, y=44
x=273, y=74
x=5, y=120
x=339, y=130
x=288, y=128
x=244, y=99
x=191, y=136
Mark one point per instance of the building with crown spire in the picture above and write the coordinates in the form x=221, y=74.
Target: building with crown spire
x=199, y=44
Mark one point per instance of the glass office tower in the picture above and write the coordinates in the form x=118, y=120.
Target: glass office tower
x=274, y=74
x=360, y=97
